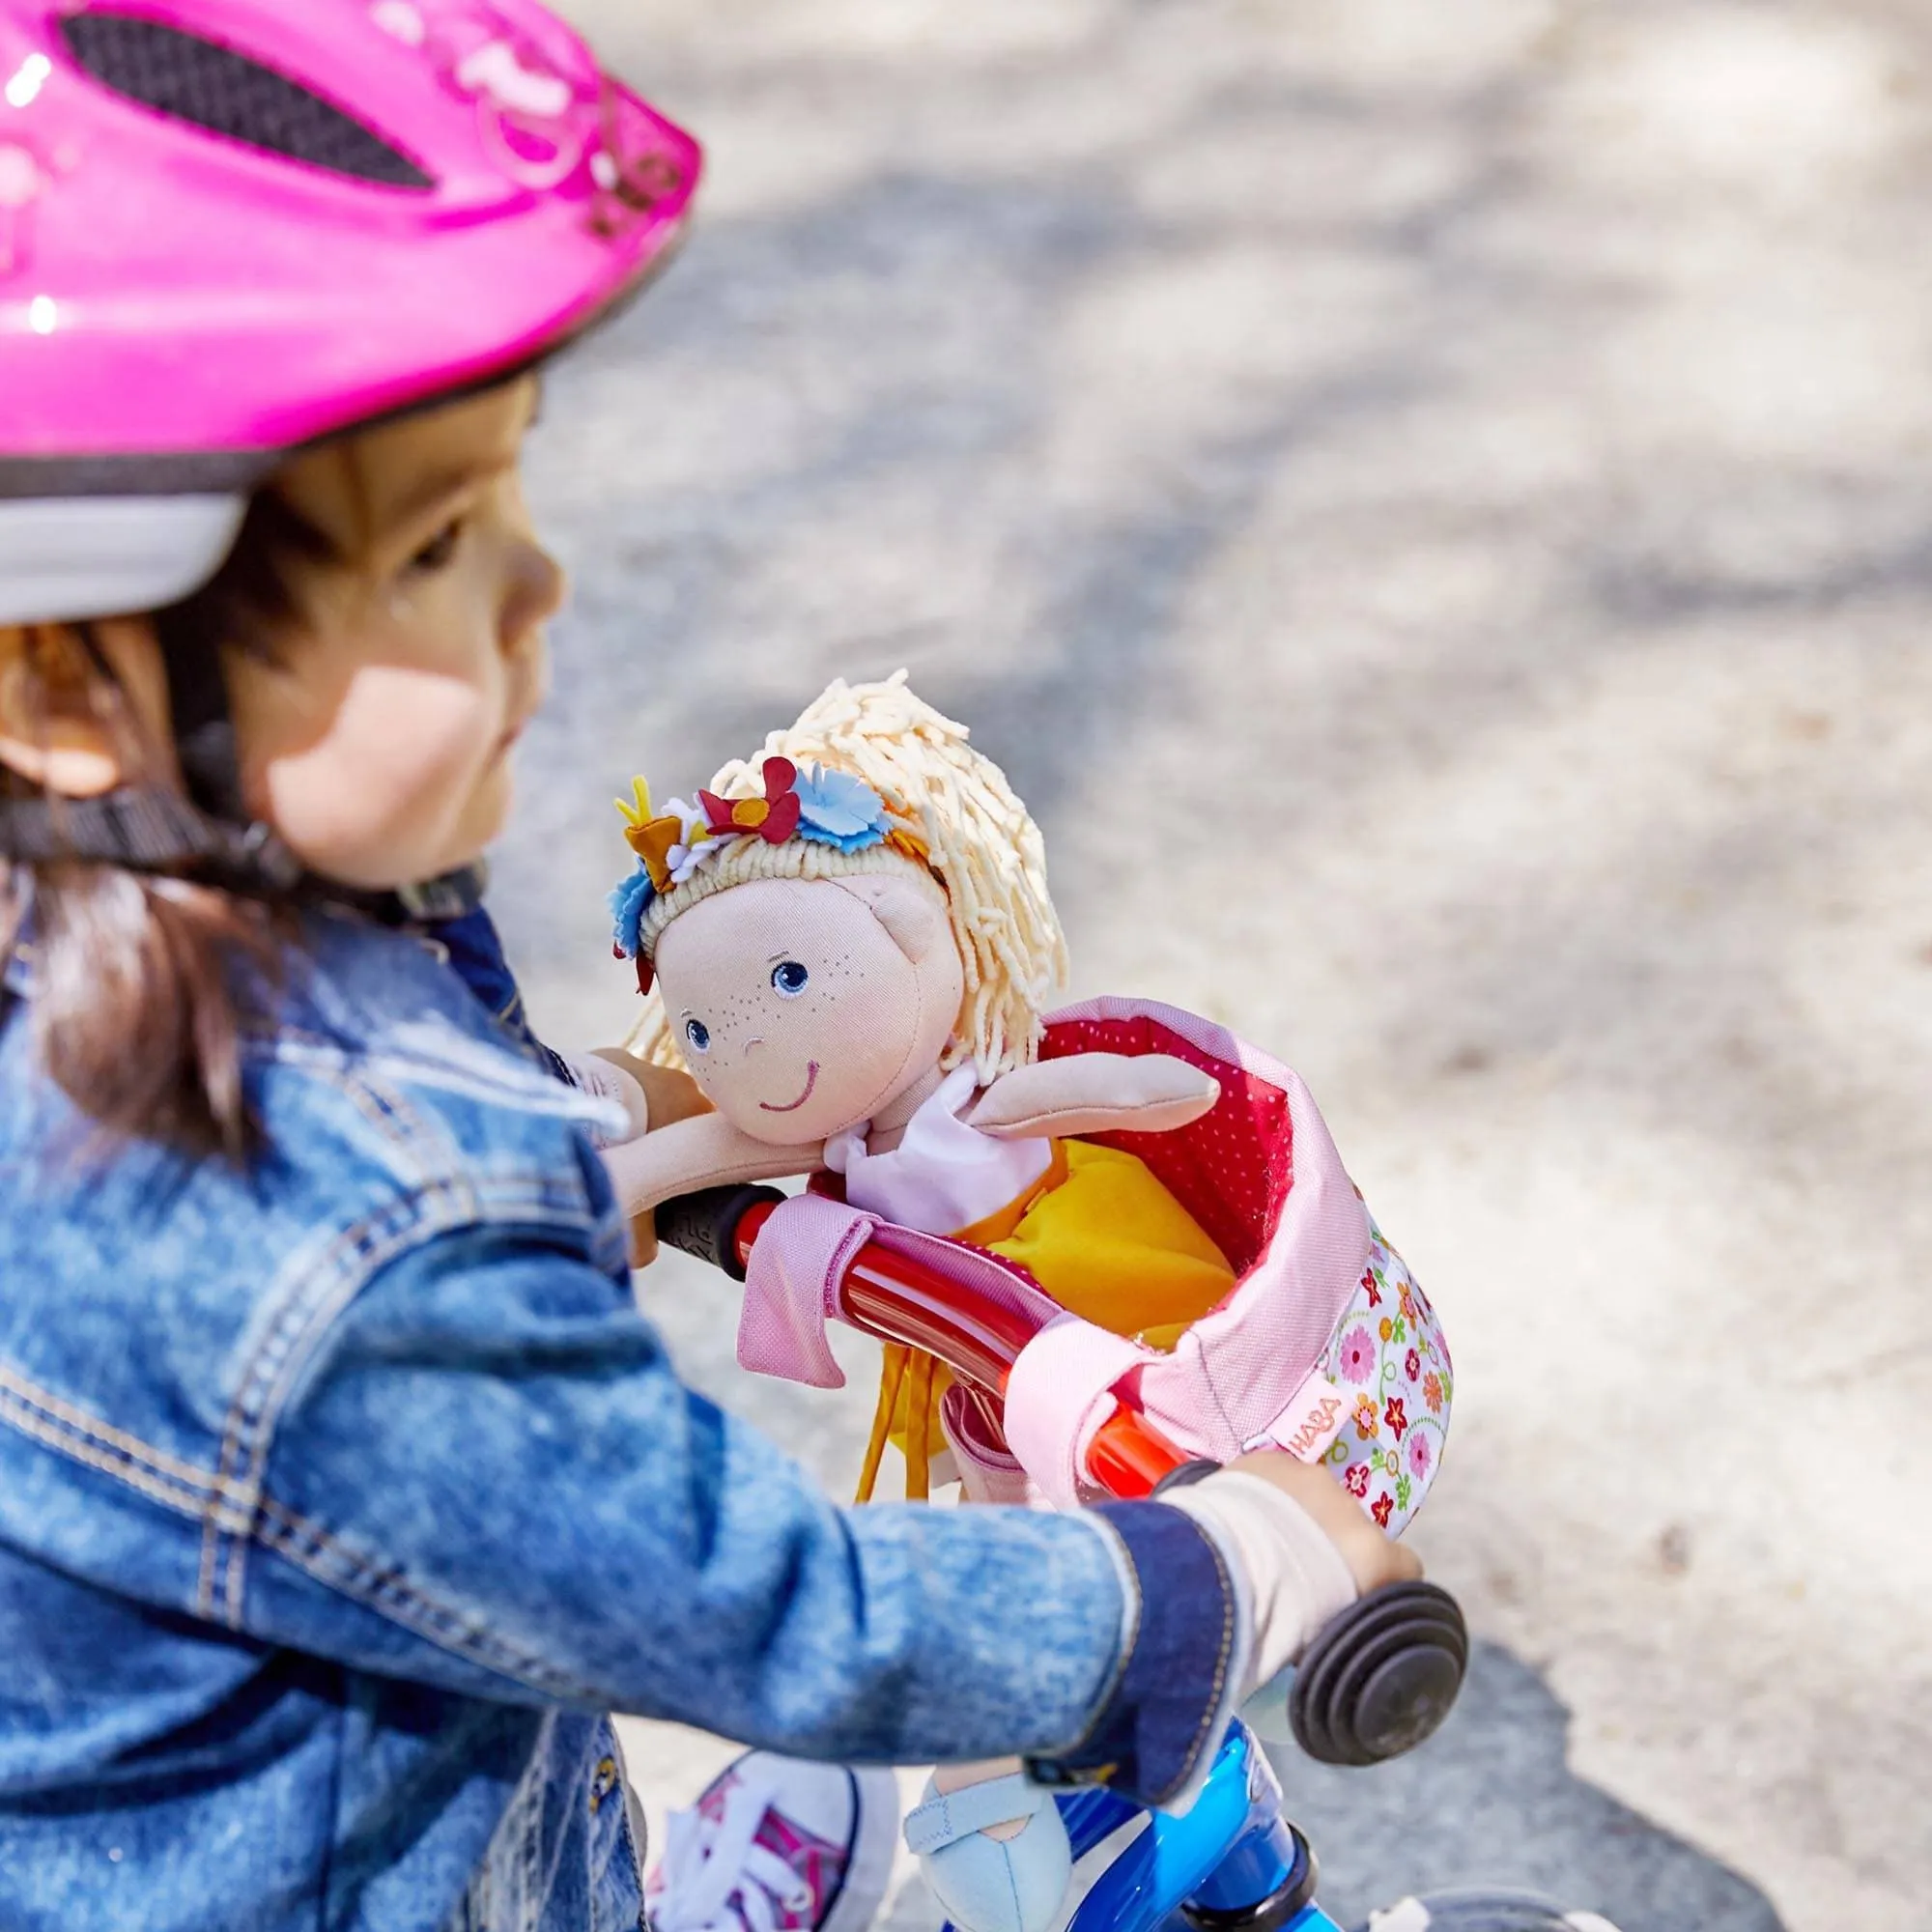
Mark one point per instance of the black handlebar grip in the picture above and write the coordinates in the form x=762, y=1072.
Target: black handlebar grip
x=705, y=1224
x=1185, y=1475
x=1382, y=1677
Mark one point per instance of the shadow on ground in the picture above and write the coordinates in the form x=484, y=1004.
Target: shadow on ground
x=1490, y=1800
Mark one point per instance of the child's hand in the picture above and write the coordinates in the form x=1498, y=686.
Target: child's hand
x=1301, y=1549
x=1373, y=1559
x=663, y=1095
x=669, y=1092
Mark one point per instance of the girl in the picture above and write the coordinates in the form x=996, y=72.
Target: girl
x=342, y=1491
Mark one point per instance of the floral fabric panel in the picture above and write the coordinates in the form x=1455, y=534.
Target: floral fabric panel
x=1389, y=1360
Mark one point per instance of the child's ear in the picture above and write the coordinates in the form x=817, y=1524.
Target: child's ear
x=915, y=922
x=54, y=706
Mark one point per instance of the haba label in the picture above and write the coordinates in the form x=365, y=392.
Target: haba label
x=1312, y=1420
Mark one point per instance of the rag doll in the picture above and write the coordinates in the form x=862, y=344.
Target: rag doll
x=854, y=962
x=850, y=945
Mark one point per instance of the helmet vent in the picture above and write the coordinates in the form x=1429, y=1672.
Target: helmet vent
x=214, y=87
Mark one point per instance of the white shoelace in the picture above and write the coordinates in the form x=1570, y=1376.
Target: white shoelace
x=707, y=1860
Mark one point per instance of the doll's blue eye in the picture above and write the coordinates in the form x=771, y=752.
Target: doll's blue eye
x=788, y=978
x=698, y=1036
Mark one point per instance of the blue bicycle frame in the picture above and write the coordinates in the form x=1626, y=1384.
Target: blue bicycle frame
x=1231, y=1862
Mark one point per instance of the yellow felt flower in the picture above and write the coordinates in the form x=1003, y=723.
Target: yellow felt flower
x=673, y=843
x=637, y=809
x=654, y=844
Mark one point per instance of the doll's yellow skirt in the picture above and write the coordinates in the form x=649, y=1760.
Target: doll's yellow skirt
x=1107, y=1241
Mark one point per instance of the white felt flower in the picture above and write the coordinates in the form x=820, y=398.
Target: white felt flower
x=696, y=846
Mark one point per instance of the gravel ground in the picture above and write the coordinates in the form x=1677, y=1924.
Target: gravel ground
x=1431, y=507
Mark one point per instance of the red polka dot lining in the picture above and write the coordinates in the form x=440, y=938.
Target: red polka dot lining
x=1233, y=1168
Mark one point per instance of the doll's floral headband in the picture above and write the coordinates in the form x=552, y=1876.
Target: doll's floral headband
x=823, y=806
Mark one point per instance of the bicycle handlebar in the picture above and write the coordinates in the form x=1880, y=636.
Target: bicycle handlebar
x=901, y=1299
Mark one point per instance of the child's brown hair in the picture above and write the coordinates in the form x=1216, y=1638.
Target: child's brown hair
x=145, y=983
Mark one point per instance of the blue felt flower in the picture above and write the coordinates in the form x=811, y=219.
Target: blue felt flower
x=627, y=902
x=835, y=808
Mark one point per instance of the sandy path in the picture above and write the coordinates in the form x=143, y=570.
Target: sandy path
x=1429, y=504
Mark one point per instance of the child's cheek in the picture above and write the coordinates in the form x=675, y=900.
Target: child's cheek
x=384, y=782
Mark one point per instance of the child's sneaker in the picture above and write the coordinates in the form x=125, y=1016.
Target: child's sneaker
x=778, y=1845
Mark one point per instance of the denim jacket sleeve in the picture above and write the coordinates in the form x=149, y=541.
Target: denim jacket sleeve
x=493, y=1479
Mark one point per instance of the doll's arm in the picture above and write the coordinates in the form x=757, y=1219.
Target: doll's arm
x=1092, y=1094
x=705, y=1151
x=655, y=1097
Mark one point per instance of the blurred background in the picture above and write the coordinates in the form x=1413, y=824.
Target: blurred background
x=1430, y=505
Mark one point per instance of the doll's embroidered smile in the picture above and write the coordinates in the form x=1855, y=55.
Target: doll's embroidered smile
x=792, y=1106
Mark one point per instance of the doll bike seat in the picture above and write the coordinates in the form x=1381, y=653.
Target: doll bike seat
x=1325, y=1345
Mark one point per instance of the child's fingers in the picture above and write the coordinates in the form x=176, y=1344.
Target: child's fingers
x=1373, y=1559
x=670, y=1094
x=643, y=1239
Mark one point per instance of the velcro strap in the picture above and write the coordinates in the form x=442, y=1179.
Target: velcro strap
x=792, y=1288
x=944, y=1820
x=1058, y=1395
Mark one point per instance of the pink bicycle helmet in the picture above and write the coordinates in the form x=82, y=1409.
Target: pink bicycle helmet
x=229, y=227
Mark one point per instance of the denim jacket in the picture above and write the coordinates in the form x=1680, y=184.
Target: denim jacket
x=342, y=1497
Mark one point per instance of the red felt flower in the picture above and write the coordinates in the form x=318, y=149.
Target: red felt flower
x=773, y=817
x=1375, y=1294
x=647, y=972
x=1381, y=1509
x=1357, y=1481
x=1392, y=1414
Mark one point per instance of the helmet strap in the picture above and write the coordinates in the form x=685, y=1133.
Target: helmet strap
x=204, y=727
x=141, y=829
x=207, y=835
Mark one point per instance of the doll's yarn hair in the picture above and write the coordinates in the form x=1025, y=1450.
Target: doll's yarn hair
x=984, y=851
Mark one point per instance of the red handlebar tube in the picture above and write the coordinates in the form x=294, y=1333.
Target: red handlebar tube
x=898, y=1299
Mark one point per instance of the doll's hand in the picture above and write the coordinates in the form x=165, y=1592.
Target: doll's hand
x=1094, y=1094
x=653, y=1096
